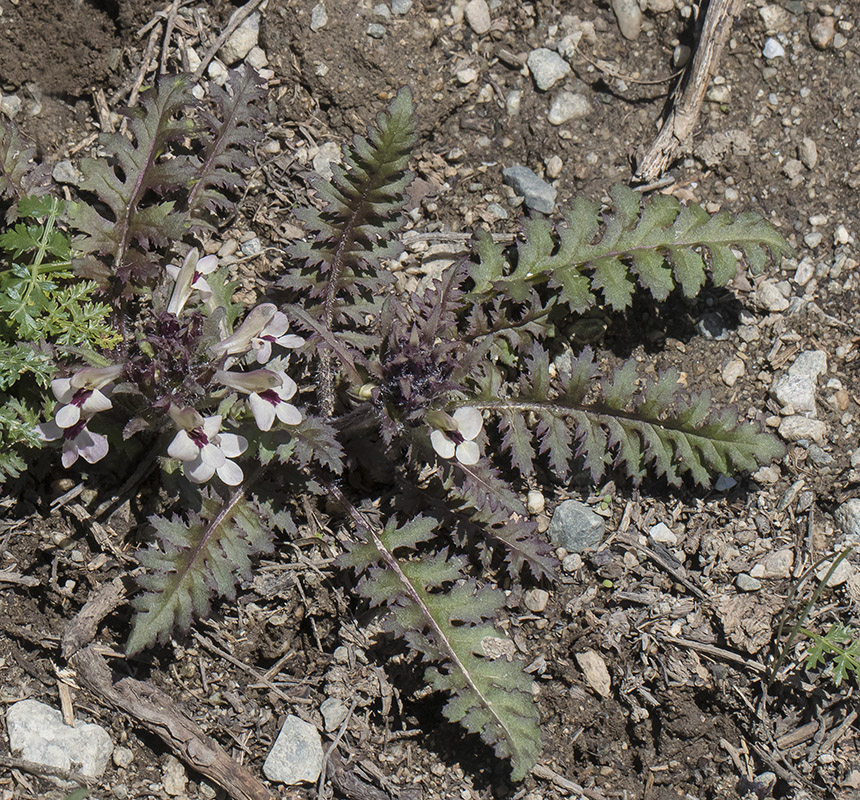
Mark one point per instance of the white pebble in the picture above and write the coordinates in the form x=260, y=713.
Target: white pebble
x=773, y=49
x=536, y=502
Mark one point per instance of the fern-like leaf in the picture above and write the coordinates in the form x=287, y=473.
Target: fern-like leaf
x=195, y=561
x=444, y=616
x=657, y=244
x=673, y=432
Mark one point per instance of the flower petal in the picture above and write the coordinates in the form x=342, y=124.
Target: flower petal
x=288, y=414
x=70, y=454
x=278, y=325
x=198, y=471
x=469, y=421
x=183, y=448
x=263, y=411
x=62, y=389
x=50, y=431
x=264, y=350
x=212, y=454
x=288, y=386
x=290, y=340
x=96, y=402
x=231, y=473
x=206, y=265
x=211, y=426
x=91, y=446
x=232, y=445
x=468, y=453
x=67, y=416
x=442, y=444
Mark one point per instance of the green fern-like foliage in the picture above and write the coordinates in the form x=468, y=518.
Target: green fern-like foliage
x=656, y=244
x=443, y=616
x=616, y=422
x=840, y=648
x=194, y=561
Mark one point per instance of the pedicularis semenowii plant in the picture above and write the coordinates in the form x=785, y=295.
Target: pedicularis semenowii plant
x=422, y=414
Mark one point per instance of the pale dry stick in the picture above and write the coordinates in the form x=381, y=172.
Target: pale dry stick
x=333, y=746
x=168, y=32
x=144, y=68
x=42, y=770
x=714, y=652
x=237, y=18
x=681, y=120
x=548, y=774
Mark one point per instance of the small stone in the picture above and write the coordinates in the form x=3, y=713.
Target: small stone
x=296, y=755
x=749, y=333
x=596, y=674
x=819, y=456
x=241, y=40
x=39, y=733
x=401, y=7
x=575, y=527
x=839, y=41
x=217, y=71
x=477, y=14
x=732, y=371
x=841, y=235
x=535, y=600
x=535, y=502
x=122, y=757
x=467, y=75
x=568, y=106
x=334, y=712
x=847, y=517
x=796, y=392
x=554, y=166
x=818, y=220
x=724, y=483
x=10, y=105
x=663, y=534
x=319, y=17
x=773, y=49
x=810, y=364
x=774, y=565
x=813, y=239
x=766, y=475
x=497, y=211
x=792, y=168
x=513, y=101
x=804, y=272
x=821, y=34
x=174, y=777
x=375, y=30
x=843, y=572
x=797, y=427
x=659, y=6
x=252, y=247
x=770, y=298
x=538, y=194
x=328, y=153
x=776, y=19
x=547, y=68
x=257, y=58
x=807, y=152
x=721, y=93
x=746, y=583
x=713, y=326
x=382, y=10
x=65, y=172
x=629, y=17
x=571, y=562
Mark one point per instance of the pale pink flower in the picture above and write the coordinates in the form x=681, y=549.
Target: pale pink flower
x=275, y=332
x=457, y=439
x=82, y=395
x=189, y=277
x=268, y=392
x=253, y=325
x=204, y=450
x=78, y=441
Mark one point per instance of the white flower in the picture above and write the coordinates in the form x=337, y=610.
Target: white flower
x=275, y=332
x=82, y=393
x=268, y=392
x=189, y=277
x=252, y=326
x=456, y=437
x=204, y=451
x=77, y=441
x=271, y=403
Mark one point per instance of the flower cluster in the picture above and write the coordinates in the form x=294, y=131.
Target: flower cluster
x=454, y=436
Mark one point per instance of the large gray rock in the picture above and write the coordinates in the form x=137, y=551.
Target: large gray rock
x=38, y=733
x=538, y=194
x=575, y=527
x=242, y=40
x=296, y=755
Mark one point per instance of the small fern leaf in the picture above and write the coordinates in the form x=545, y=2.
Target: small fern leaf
x=195, y=561
x=444, y=616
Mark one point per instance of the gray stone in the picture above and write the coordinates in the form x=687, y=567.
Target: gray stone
x=535, y=600
x=122, y=757
x=733, y=371
x=746, y=583
x=65, y=172
x=770, y=298
x=38, y=732
x=843, y=572
x=663, y=534
x=713, y=326
x=797, y=427
x=319, y=17
x=401, y=7
x=774, y=565
x=776, y=19
x=513, y=101
x=819, y=456
x=547, y=68
x=629, y=17
x=334, y=712
x=568, y=106
x=241, y=40
x=809, y=364
x=296, y=755
x=375, y=30
x=847, y=517
x=382, y=10
x=252, y=247
x=538, y=194
x=807, y=152
x=575, y=527
x=724, y=483
x=477, y=14
x=10, y=105
x=795, y=391
x=174, y=778
x=328, y=153
x=773, y=49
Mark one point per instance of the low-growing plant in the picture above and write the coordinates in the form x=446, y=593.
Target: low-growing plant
x=420, y=413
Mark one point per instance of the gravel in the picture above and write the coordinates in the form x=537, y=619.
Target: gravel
x=575, y=527
x=538, y=194
x=568, y=106
x=547, y=68
x=242, y=40
x=477, y=14
x=773, y=49
x=629, y=17
x=796, y=427
x=847, y=517
x=319, y=17
x=296, y=755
